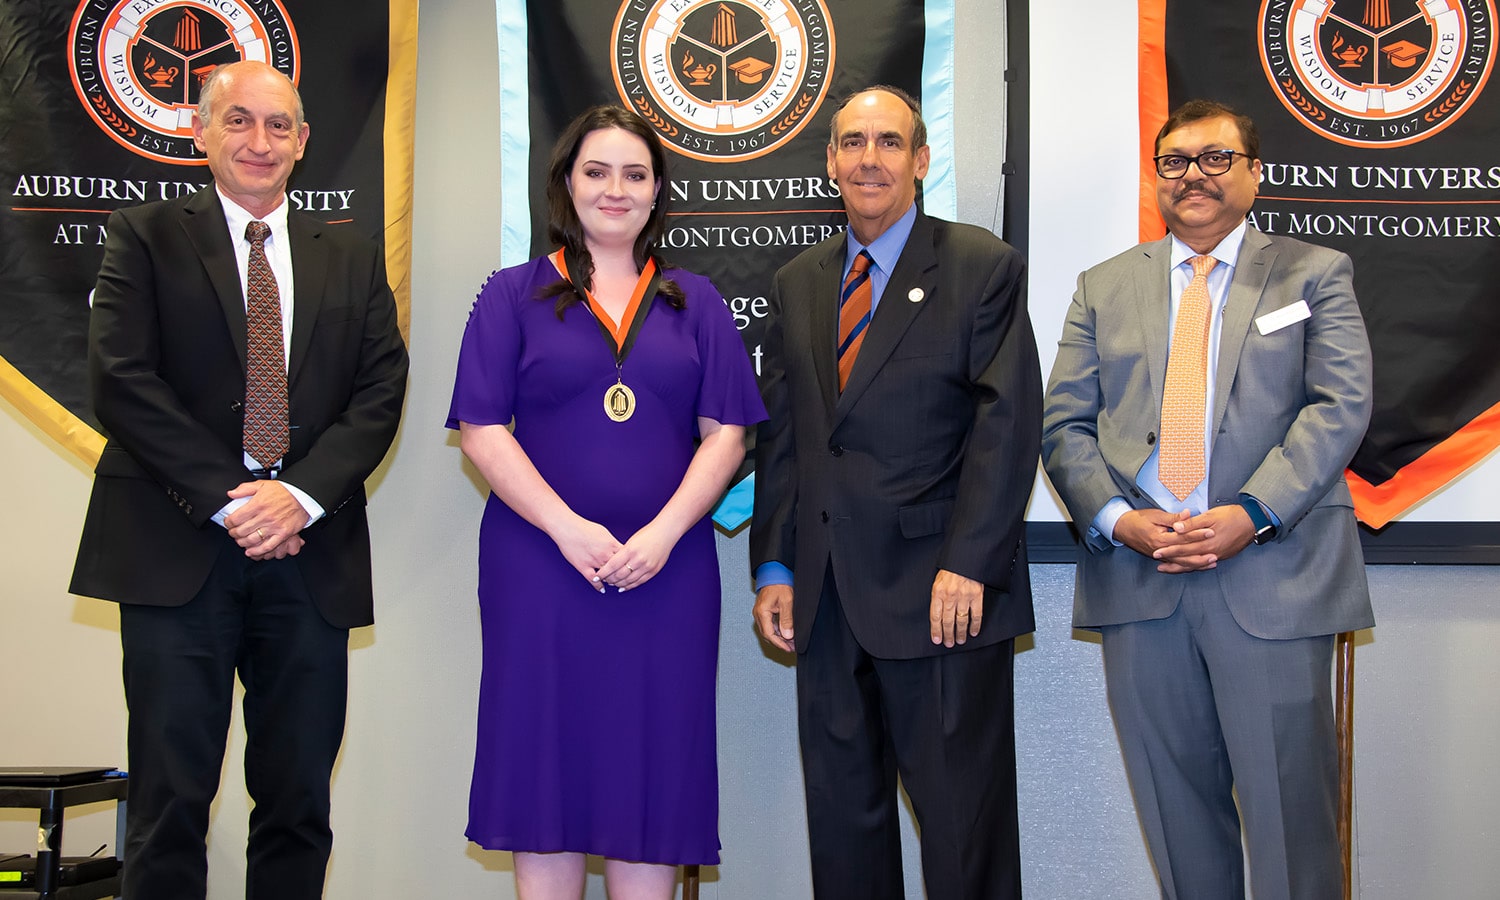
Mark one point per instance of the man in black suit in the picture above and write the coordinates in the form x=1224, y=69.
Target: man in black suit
x=891, y=485
x=230, y=554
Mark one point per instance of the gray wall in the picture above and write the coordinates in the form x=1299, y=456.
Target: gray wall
x=1426, y=712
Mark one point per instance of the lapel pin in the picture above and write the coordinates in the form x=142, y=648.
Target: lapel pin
x=915, y=295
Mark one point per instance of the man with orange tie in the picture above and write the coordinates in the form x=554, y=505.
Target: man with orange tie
x=1209, y=390
x=904, y=396
x=245, y=362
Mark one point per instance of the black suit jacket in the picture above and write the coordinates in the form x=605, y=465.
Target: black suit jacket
x=927, y=458
x=167, y=371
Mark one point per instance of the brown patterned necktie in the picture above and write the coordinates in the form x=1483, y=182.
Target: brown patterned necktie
x=1181, y=458
x=854, y=314
x=266, y=431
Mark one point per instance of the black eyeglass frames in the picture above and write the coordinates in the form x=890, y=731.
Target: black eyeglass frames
x=1210, y=162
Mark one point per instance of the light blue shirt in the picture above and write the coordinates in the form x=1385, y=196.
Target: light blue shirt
x=1149, y=478
x=884, y=251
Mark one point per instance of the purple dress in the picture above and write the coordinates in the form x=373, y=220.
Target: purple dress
x=596, y=711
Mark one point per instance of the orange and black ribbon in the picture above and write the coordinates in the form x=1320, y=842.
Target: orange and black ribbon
x=621, y=338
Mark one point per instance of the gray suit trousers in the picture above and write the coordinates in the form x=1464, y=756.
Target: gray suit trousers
x=1202, y=706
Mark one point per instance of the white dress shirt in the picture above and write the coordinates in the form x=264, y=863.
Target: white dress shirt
x=279, y=255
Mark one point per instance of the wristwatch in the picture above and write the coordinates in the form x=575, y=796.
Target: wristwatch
x=1265, y=529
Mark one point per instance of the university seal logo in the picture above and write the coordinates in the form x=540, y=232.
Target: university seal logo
x=723, y=80
x=1377, y=73
x=138, y=65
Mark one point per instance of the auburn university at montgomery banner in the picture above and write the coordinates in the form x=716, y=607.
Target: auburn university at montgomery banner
x=96, y=101
x=1379, y=133
x=741, y=92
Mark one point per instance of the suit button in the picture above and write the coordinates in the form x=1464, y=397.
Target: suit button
x=1150, y=437
x=836, y=450
x=825, y=515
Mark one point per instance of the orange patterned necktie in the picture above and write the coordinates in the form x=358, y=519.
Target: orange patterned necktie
x=1181, y=456
x=266, y=431
x=854, y=314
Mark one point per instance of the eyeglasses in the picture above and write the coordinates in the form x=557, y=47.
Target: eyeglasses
x=1210, y=162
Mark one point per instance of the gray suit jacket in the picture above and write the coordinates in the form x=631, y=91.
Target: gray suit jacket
x=1290, y=408
x=925, y=461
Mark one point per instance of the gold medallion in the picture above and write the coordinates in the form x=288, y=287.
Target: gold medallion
x=619, y=402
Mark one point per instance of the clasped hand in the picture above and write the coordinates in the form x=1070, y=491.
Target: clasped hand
x=269, y=525
x=594, y=553
x=1182, y=542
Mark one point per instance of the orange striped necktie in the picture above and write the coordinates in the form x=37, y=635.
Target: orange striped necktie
x=1181, y=458
x=854, y=314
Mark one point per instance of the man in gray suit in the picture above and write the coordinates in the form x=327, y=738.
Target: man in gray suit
x=891, y=484
x=1220, y=555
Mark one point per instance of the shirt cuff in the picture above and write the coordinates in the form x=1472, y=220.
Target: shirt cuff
x=1270, y=514
x=773, y=572
x=228, y=508
x=1106, y=519
x=313, y=508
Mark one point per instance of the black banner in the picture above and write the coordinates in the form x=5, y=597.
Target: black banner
x=1378, y=138
x=742, y=93
x=96, y=100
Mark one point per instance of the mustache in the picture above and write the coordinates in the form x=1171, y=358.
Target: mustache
x=1202, y=190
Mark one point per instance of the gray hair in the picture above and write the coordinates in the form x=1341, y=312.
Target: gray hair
x=211, y=88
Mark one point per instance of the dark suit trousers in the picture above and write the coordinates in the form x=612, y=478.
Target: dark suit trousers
x=255, y=618
x=1203, y=709
x=946, y=723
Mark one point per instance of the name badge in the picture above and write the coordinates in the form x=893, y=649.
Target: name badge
x=1281, y=318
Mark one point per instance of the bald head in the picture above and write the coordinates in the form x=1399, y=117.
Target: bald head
x=250, y=126
x=213, y=85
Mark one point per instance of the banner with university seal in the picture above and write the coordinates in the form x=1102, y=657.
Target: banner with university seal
x=1378, y=127
x=96, y=102
x=741, y=93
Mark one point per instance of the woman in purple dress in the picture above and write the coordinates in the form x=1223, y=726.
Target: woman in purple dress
x=630, y=391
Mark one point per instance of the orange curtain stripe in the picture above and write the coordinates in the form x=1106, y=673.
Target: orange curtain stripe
x=1153, y=107
x=1377, y=505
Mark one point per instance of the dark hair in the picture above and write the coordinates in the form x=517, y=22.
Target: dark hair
x=1198, y=110
x=563, y=225
x=918, y=127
